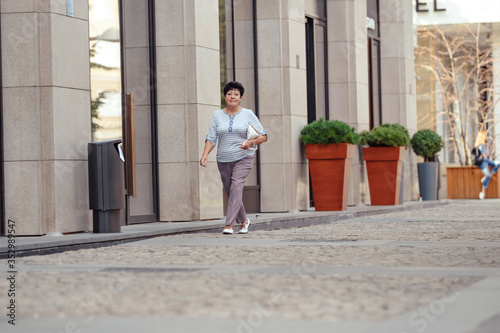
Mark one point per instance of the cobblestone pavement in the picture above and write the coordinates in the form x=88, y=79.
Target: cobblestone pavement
x=418, y=266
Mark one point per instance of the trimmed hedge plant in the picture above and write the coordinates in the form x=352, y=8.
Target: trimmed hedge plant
x=426, y=143
x=386, y=135
x=324, y=131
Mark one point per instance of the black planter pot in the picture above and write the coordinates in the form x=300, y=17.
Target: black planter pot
x=427, y=180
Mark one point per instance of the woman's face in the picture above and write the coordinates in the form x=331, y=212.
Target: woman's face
x=233, y=98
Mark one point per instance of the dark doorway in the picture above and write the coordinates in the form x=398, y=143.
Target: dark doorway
x=311, y=71
x=374, y=82
x=375, y=93
x=237, y=18
x=317, y=74
x=317, y=70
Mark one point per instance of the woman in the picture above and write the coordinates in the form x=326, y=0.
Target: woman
x=234, y=158
x=485, y=165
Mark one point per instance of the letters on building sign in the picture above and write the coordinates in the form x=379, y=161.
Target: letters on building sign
x=421, y=6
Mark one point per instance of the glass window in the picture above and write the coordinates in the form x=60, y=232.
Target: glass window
x=317, y=97
x=374, y=82
x=105, y=70
x=321, y=69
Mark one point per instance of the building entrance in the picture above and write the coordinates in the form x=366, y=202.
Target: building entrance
x=317, y=73
x=124, y=94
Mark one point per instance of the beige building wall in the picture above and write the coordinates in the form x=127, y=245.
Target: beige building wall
x=46, y=110
x=283, y=104
x=47, y=102
x=187, y=50
x=348, y=79
x=399, y=104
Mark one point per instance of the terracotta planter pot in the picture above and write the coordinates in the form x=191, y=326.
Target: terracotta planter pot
x=330, y=168
x=383, y=165
x=464, y=182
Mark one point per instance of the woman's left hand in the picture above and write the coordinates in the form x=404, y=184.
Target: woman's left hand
x=245, y=145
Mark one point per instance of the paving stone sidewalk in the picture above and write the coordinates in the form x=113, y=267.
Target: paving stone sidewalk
x=434, y=269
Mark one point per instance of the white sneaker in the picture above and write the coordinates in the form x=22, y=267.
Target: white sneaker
x=244, y=227
x=228, y=230
x=481, y=195
x=482, y=179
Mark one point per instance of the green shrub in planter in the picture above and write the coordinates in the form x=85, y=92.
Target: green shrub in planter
x=386, y=135
x=401, y=128
x=324, y=131
x=426, y=143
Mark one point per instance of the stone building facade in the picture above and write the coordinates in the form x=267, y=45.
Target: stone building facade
x=299, y=60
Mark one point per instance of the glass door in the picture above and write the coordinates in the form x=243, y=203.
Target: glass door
x=138, y=79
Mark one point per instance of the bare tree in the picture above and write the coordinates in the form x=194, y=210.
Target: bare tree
x=460, y=64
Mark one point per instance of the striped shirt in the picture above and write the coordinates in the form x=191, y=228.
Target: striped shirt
x=230, y=132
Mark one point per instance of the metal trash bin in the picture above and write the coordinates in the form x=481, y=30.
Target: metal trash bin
x=106, y=185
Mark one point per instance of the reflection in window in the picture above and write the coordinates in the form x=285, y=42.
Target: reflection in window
x=321, y=69
x=105, y=72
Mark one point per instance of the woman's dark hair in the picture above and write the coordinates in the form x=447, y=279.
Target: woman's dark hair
x=234, y=85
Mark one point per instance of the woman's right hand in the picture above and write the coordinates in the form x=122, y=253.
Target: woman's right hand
x=203, y=161
x=204, y=157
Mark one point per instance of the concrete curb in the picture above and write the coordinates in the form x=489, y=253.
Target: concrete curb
x=40, y=245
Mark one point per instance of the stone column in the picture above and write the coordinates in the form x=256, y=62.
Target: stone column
x=398, y=77
x=46, y=115
x=348, y=78
x=397, y=37
x=187, y=50
x=282, y=104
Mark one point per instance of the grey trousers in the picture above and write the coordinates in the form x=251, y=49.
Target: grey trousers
x=233, y=175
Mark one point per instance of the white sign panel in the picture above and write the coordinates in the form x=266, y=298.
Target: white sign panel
x=436, y=12
x=370, y=23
